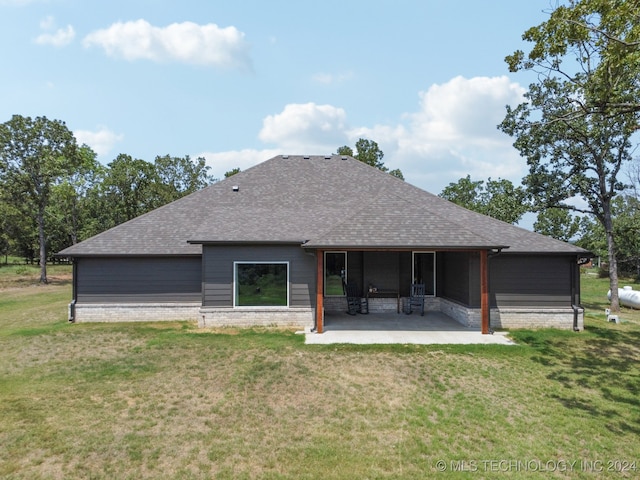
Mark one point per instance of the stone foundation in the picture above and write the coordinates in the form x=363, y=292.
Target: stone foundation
x=335, y=304
x=536, y=318
x=134, y=312
x=251, y=317
x=305, y=317
x=561, y=318
x=467, y=317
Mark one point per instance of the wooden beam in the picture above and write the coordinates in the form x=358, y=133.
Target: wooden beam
x=320, y=291
x=484, y=291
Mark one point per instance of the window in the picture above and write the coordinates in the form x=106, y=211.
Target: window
x=335, y=273
x=261, y=284
x=424, y=271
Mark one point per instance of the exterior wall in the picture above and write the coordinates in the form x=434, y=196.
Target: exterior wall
x=466, y=316
x=141, y=312
x=218, y=272
x=355, y=271
x=137, y=289
x=517, y=281
x=511, y=318
x=454, y=277
x=138, y=280
x=526, y=291
x=536, y=318
x=256, y=316
x=382, y=270
x=335, y=304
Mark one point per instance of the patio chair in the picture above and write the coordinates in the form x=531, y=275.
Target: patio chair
x=353, y=299
x=416, y=298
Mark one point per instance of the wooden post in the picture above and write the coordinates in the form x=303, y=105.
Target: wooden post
x=484, y=291
x=320, y=291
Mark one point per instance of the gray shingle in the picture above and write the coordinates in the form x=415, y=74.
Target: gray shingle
x=335, y=202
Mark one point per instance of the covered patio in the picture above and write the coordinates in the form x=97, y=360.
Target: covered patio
x=455, y=288
x=399, y=328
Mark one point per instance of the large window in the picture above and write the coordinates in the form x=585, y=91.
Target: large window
x=335, y=273
x=261, y=284
x=424, y=271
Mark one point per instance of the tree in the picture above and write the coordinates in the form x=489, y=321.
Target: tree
x=232, y=172
x=129, y=189
x=35, y=155
x=179, y=176
x=626, y=226
x=498, y=198
x=464, y=192
x=9, y=217
x=573, y=129
x=68, y=208
x=368, y=152
x=557, y=223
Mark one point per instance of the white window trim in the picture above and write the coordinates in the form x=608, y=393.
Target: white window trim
x=435, y=266
x=258, y=307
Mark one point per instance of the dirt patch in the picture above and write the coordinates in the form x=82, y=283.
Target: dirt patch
x=13, y=281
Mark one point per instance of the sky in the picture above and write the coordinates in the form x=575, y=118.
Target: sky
x=240, y=81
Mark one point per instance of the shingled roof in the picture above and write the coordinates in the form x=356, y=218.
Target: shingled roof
x=317, y=202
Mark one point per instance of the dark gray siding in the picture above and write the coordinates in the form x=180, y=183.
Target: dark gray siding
x=355, y=270
x=139, y=279
x=218, y=271
x=382, y=270
x=454, y=280
x=531, y=280
x=405, y=273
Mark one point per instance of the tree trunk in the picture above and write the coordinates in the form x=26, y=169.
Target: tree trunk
x=43, y=247
x=613, y=265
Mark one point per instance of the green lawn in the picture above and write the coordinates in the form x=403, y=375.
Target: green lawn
x=131, y=401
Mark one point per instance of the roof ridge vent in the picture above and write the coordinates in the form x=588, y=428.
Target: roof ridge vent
x=306, y=157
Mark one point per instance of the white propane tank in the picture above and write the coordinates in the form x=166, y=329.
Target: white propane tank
x=627, y=296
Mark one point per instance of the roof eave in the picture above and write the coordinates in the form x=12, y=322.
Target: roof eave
x=114, y=255
x=319, y=246
x=245, y=242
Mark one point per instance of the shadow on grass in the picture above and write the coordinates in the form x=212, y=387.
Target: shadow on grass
x=597, y=371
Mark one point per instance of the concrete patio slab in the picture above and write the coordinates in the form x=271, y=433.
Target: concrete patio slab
x=390, y=328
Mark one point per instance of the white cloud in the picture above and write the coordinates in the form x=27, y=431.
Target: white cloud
x=223, y=162
x=101, y=141
x=332, y=78
x=453, y=134
x=58, y=38
x=306, y=128
x=186, y=42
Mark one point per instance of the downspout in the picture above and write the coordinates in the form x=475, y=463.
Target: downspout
x=74, y=291
x=576, y=308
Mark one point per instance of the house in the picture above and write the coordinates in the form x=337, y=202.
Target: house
x=275, y=245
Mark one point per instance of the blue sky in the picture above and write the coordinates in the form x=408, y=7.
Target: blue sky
x=241, y=81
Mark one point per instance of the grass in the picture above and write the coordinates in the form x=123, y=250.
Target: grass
x=168, y=400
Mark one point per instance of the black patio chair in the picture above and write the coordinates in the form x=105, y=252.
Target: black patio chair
x=416, y=298
x=354, y=304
